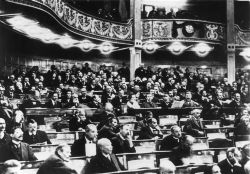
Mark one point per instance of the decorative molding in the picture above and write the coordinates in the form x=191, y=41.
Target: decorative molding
x=184, y=30
x=242, y=37
x=82, y=23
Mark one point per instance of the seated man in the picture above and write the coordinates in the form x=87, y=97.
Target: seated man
x=78, y=122
x=194, y=125
x=182, y=151
x=231, y=165
x=4, y=137
x=188, y=102
x=152, y=131
x=16, y=149
x=173, y=140
x=34, y=136
x=78, y=148
x=57, y=162
x=122, y=143
x=149, y=103
x=243, y=128
x=104, y=161
x=53, y=102
x=110, y=129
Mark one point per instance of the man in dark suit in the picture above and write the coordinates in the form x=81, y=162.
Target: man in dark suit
x=34, y=136
x=84, y=98
x=149, y=103
x=188, y=102
x=78, y=148
x=4, y=137
x=104, y=161
x=152, y=131
x=231, y=165
x=118, y=100
x=16, y=149
x=182, y=151
x=53, y=101
x=172, y=140
x=57, y=162
x=122, y=143
x=67, y=101
x=194, y=125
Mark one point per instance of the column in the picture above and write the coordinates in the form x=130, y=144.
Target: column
x=135, y=61
x=135, y=52
x=230, y=41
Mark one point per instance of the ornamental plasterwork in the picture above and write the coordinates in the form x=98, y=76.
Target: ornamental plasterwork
x=85, y=23
x=242, y=38
x=160, y=30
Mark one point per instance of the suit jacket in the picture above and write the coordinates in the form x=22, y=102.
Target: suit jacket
x=121, y=146
x=75, y=124
x=5, y=140
x=169, y=142
x=146, y=133
x=148, y=105
x=24, y=152
x=193, y=127
x=40, y=137
x=226, y=168
x=51, y=104
x=55, y=165
x=101, y=164
x=78, y=147
x=107, y=132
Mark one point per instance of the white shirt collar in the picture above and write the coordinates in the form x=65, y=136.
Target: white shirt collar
x=88, y=141
x=230, y=163
x=1, y=135
x=31, y=133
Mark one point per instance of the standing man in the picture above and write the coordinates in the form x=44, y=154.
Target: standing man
x=57, y=162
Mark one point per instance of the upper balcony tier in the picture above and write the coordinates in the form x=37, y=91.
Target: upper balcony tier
x=82, y=23
x=190, y=30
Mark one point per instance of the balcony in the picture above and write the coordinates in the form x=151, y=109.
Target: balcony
x=185, y=30
x=81, y=23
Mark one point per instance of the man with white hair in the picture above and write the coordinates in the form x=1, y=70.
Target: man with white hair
x=194, y=125
x=57, y=162
x=104, y=161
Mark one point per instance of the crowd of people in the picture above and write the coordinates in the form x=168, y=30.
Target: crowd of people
x=114, y=94
x=174, y=13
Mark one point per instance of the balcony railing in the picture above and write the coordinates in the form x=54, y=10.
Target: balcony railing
x=242, y=37
x=189, y=30
x=82, y=23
